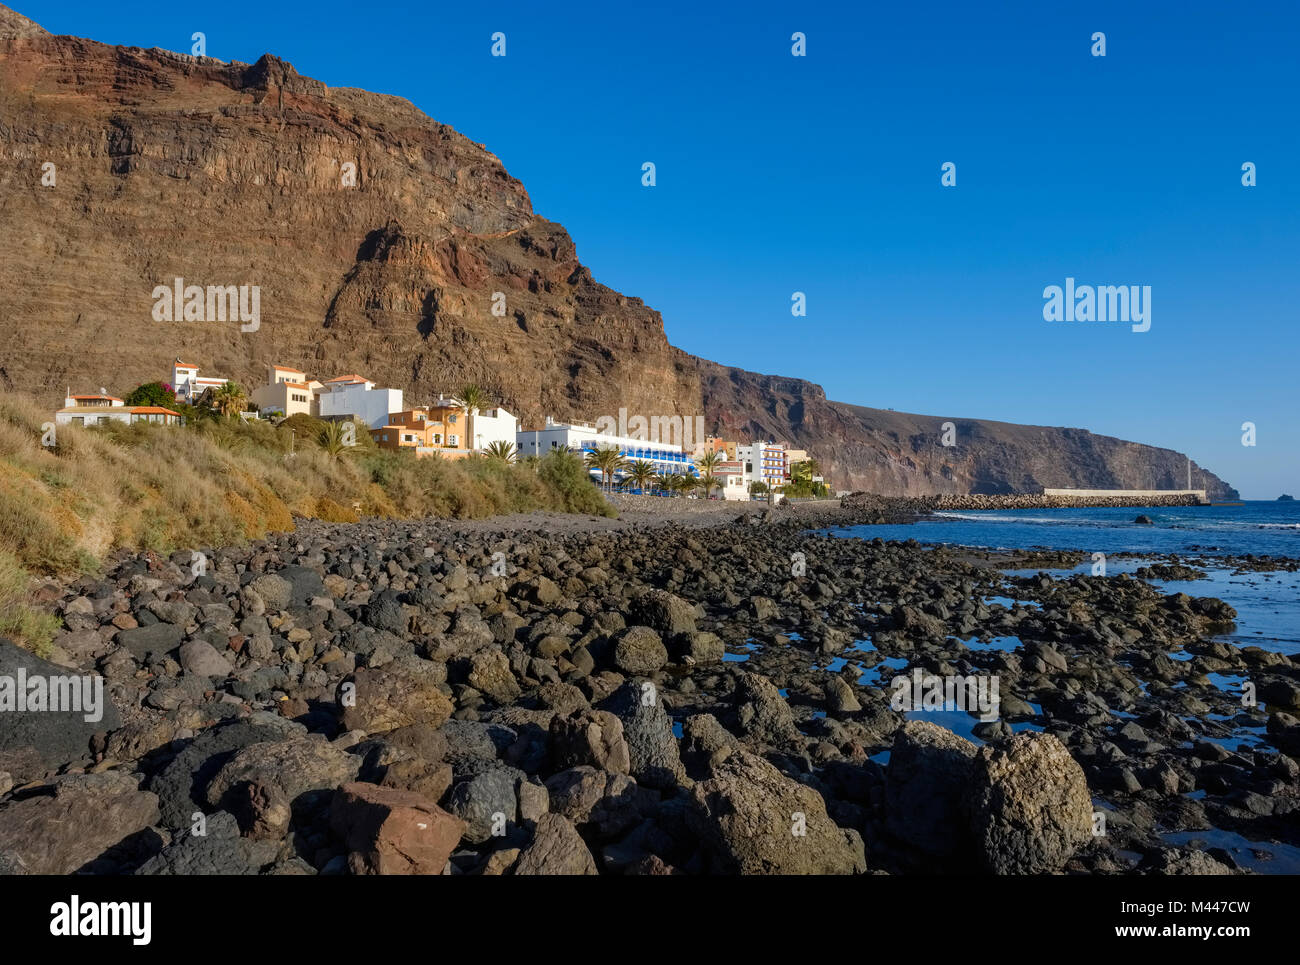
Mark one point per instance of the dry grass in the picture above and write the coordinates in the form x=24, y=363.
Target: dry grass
x=142, y=487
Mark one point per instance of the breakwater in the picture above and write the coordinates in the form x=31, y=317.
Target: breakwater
x=972, y=501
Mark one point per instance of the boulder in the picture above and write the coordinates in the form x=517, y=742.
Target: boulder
x=386, y=612
x=75, y=820
x=654, y=758
x=490, y=674
x=602, y=803
x=159, y=640
x=386, y=699
x=182, y=784
x=220, y=850
x=304, y=585
x=702, y=648
x=33, y=742
x=639, y=651
x=202, y=659
x=925, y=780
x=752, y=819
x=663, y=612
x=763, y=714
x=487, y=801
x=1186, y=861
x=915, y=623
x=1281, y=694
x=294, y=766
x=592, y=737
x=273, y=591
x=556, y=849
x=1029, y=805
x=840, y=698
x=388, y=831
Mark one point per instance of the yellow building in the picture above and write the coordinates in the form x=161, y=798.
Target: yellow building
x=715, y=444
x=287, y=392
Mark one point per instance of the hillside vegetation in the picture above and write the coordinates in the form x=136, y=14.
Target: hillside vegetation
x=220, y=482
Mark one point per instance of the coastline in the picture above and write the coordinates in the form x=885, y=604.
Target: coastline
x=769, y=649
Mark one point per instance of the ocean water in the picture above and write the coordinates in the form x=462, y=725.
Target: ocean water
x=1267, y=604
x=1262, y=528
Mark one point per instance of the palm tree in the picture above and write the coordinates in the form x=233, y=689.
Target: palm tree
x=690, y=483
x=501, y=450
x=472, y=398
x=608, y=460
x=709, y=460
x=664, y=482
x=229, y=399
x=677, y=483
x=337, y=439
x=803, y=472
x=708, y=478
x=641, y=473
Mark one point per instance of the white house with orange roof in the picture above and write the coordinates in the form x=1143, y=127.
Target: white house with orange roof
x=91, y=410
x=287, y=392
x=189, y=385
x=355, y=395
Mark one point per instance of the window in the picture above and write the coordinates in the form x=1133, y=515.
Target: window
x=437, y=438
x=78, y=420
x=453, y=440
x=102, y=420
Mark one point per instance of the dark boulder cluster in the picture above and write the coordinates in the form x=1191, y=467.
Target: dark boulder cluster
x=379, y=698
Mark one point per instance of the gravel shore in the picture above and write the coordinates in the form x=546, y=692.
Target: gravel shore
x=703, y=688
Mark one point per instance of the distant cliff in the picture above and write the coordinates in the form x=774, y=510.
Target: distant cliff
x=378, y=238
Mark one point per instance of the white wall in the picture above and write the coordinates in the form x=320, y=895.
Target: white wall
x=372, y=406
x=92, y=416
x=493, y=425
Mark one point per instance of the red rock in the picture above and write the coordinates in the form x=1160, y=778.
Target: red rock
x=393, y=832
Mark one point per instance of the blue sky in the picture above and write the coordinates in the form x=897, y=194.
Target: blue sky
x=821, y=174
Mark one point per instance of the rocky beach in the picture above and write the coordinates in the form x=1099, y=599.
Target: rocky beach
x=693, y=688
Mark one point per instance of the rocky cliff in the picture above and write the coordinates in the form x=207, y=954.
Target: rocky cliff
x=378, y=239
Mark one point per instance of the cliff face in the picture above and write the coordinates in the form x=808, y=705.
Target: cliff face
x=378, y=238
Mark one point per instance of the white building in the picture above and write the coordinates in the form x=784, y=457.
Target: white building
x=735, y=483
x=763, y=462
x=91, y=410
x=189, y=385
x=585, y=438
x=353, y=395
